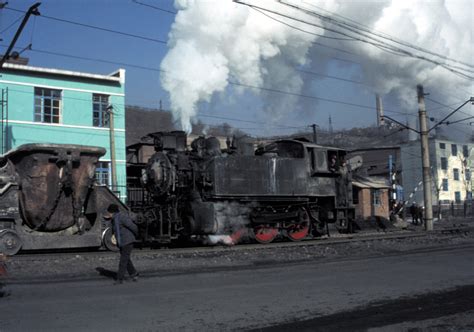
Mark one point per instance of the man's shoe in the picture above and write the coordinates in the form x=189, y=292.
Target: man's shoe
x=135, y=277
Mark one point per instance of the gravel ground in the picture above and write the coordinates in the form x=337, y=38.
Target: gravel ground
x=88, y=265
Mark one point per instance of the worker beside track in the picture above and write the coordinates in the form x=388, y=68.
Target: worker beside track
x=125, y=232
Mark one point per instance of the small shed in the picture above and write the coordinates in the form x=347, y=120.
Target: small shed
x=370, y=197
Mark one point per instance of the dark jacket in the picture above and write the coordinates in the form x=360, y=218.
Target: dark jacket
x=124, y=229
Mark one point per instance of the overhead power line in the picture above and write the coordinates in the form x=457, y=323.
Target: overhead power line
x=444, y=105
x=95, y=27
x=331, y=77
x=200, y=115
x=12, y=24
x=230, y=82
x=360, y=36
x=154, y=7
x=358, y=28
x=299, y=29
x=315, y=43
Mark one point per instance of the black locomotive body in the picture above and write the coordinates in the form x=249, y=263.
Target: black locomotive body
x=288, y=188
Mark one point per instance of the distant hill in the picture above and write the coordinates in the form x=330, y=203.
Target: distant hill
x=357, y=137
x=141, y=121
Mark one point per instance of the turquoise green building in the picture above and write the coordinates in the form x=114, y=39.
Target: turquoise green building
x=43, y=105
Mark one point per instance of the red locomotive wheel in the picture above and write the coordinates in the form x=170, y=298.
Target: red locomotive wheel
x=265, y=234
x=237, y=235
x=298, y=231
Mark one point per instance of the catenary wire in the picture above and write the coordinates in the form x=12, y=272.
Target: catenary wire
x=95, y=27
x=230, y=82
x=154, y=7
x=359, y=27
x=374, y=42
x=12, y=24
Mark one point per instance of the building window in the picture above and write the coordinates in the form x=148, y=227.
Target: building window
x=102, y=173
x=47, y=105
x=355, y=195
x=469, y=196
x=457, y=196
x=465, y=151
x=454, y=149
x=468, y=175
x=445, y=185
x=442, y=146
x=100, y=116
x=444, y=163
x=456, y=174
x=377, y=193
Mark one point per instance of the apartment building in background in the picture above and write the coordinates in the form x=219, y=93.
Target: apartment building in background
x=452, y=164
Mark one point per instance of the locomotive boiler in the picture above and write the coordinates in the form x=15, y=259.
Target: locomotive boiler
x=287, y=188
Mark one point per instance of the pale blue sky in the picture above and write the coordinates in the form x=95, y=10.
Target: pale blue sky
x=143, y=85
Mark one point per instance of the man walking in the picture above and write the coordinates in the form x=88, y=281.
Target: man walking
x=414, y=213
x=125, y=232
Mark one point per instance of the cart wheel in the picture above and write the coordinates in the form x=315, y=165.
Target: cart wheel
x=108, y=240
x=10, y=242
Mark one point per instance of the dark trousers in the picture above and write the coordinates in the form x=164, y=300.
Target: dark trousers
x=126, y=262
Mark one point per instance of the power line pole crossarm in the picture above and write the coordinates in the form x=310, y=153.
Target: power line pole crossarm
x=33, y=10
x=425, y=155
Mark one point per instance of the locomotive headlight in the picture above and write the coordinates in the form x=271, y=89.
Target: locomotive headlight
x=144, y=177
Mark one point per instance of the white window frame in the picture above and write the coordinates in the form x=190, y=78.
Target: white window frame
x=103, y=117
x=40, y=116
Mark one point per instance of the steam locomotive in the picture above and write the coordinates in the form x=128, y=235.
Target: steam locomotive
x=287, y=188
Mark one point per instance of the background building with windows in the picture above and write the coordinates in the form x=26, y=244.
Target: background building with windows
x=370, y=197
x=451, y=168
x=43, y=105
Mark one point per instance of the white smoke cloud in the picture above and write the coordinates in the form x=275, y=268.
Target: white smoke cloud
x=212, y=43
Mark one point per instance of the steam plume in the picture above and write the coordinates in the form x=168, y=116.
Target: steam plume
x=212, y=43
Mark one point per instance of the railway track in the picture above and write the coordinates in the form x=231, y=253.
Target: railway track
x=66, y=267
x=339, y=239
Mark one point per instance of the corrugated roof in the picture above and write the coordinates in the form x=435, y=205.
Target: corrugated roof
x=369, y=183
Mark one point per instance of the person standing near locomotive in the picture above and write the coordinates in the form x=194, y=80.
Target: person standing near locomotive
x=125, y=232
x=414, y=213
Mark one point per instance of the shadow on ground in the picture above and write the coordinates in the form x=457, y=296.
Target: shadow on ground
x=106, y=273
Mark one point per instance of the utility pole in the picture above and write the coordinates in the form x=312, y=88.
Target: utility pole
x=110, y=111
x=424, y=131
x=315, y=137
x=425, y=154
x=33, y=10
x=393, y=175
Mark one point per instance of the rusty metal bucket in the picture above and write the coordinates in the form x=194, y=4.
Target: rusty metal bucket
x=54, y=181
